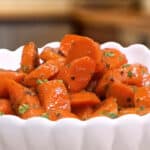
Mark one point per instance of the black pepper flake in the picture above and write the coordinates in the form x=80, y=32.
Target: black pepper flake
x=72, y=77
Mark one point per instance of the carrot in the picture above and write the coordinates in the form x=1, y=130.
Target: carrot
x=22, y=98
x=112, y=58
x=17, y=76
x=67, y=41
x=60, y=114
x=142, y=97
x=109, y=77
x=146, y=80
x=29, y=57
x=43, y=72
x=5, y=107
x=3, y=88
x=54, y=96
x=84, y=98
x=48, y=54
x=133, y=74
x=122, y=92
x=83, y=112
x=78, y=73
x=108, y=108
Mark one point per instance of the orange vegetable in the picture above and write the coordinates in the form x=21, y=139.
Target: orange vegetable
x=108, y=108
x=29, y=57
x=5, y=107
x=122, y=92
x=78, y=73
x=84, y=98
x=54, y=96
x=43, y=72
x=142, y=97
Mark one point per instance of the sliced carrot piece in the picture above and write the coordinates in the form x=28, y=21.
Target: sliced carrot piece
x=17, y=76
x=142, y=97
x=122, y=92
x=60, y=114
x=48, y=54
x=108, y=108
x=84, y=98
x=112, y=58
x=84, y=46
x=29, y=57
x=54, y=96
x=5, y=107
x=83, y=112
x=78, y=73
x=43, y=72
x=67, y=41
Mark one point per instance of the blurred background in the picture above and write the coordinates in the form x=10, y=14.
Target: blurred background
x=42, y=21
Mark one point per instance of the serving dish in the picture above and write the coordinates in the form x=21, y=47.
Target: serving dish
x=129, y=132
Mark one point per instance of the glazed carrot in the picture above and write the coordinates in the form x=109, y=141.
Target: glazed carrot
x=109, y=77
x=142, y=97
x=84, y=98
x=17, y=76
x=83, y=112
x=22, y=98
x=48, y=54
x=108, y=108
x=122, y=92
x=5, y=107
x=43, y=72
x=29, y=57
x=67, y=41
x=78, y=73
x=84, y=47
x=60, y=114
x=54, y=96
x=112, y=58
x=3, y=88
x=133, y=74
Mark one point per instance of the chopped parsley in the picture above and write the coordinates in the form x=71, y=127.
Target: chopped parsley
x=112, y=115
x=25, y=68
x=130, y=74
x=40, y=81
x=125, y=65
x=1, y=113
x=23, y=108
x=142, y=108
x=109, y=54
x=45, y=115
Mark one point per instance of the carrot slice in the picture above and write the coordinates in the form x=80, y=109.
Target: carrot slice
x=67, y=41
x=48, y=54
x=122, y=92
x=142, y=97
x=29, y=57
x=60, y=114
x=5, y=107
x=84, y=98
x=17, y=76
x=54, y=96
x=83, y=46
x=78, y=73
x=108, y=108
x=43, y=72
x=83, y=112
x=112, y=58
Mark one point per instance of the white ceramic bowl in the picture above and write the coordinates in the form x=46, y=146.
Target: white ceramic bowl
x=129, y=132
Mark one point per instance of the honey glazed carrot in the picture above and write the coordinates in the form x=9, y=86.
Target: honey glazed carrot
x=29, y=58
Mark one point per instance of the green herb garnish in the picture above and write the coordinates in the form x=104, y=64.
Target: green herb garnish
x=25, y=68
x=109, y=54
x=130, y=74
x=45, y=115
x=23, y=108
x=112, y=115
x=125, y=65
x=1, y=113
x=142, y=108
x=40, y=81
